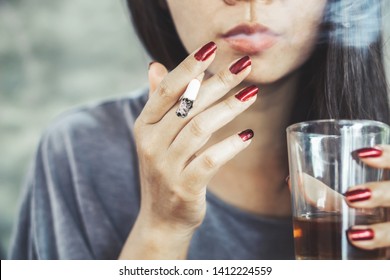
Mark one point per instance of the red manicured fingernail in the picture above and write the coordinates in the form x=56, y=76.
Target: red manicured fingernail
x=247, y=93
x=246, y=135
x=206, y=51
x=358, y=195
x=240, y=65
x=369, y=152
x=361, y=234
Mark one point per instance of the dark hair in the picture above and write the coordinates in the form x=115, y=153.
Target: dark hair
x=155, y=28
x=343, y=79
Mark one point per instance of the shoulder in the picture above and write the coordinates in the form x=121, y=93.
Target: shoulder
x=111, y=112
x=94, y=121
x=84, y=175
x=93, y=134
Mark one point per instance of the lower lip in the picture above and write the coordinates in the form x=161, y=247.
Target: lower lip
x=252, y=44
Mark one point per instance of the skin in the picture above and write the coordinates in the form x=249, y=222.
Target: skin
x=179, y=157
x=296, y=22
x=380, y=197
x=274, y=71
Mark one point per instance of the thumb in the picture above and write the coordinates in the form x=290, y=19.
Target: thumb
x=156, y=74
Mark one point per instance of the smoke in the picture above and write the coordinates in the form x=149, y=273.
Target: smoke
x=353, y=23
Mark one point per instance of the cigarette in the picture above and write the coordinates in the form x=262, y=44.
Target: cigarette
x=188, y=98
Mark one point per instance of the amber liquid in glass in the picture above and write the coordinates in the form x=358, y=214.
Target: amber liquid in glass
x=323, y=237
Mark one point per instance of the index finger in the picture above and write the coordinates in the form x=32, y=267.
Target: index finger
x=174, y=84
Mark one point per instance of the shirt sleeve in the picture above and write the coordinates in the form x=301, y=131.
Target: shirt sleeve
x=81, y=198
x=49, y=225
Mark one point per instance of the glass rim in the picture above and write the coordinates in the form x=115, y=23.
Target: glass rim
x=295, y=127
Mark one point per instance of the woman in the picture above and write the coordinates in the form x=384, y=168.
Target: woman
x=132, y=178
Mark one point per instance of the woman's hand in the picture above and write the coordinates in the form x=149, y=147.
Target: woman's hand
x=370, y=195
x=174, y=172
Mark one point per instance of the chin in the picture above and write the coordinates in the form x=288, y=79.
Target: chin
x=267, y=74
x=263, y=78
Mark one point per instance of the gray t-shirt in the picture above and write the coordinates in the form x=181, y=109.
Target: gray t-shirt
x=82, y=196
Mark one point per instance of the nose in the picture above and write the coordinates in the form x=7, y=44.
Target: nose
x=252, y=14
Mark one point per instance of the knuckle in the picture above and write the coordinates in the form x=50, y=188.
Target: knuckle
x=230, y=104
x=159, y=166
x=196, y=128
x=145, y=151
x=148, y=155
x=225, y=78
x=193, y=178
x=165, y=89
x=189, y=66
x=209, y=162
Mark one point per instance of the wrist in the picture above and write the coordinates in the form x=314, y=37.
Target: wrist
x=165, y=230
x=157, y=240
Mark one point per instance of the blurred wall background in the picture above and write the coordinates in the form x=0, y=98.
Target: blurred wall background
x=55, y=55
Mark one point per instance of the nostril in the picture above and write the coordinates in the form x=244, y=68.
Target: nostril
x=230, y=2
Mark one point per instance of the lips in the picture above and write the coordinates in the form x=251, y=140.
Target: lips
x=250, y=38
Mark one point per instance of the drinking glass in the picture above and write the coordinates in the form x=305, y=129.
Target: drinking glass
x=323, y=165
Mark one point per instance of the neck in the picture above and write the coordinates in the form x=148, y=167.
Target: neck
x=268, y=117
x=259, y=172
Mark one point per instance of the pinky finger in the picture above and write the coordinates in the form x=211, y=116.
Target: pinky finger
x=370, y=237
x=203, y=167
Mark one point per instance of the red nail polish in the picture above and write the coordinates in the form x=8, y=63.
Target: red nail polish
x=246, y=135
x=240, y=65
x=206, y=51
x=246, y=93
x=369, y=152
x=361, y=234
x=358, y=195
